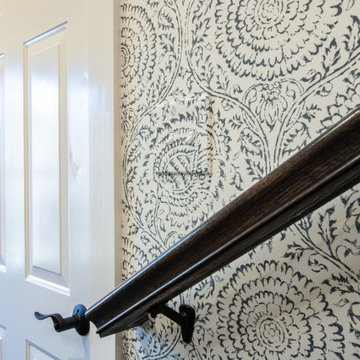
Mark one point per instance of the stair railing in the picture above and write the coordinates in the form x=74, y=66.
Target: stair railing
x=319, y=172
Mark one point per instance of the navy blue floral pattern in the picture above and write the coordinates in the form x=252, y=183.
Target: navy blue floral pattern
x=137, y=52
x=269, y=38
x=213, y=96
x=276, y=316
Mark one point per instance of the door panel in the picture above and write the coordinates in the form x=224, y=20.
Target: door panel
x=46, y=159
x=2, y=188
x=34, y=352
x=2, y=335
x=48, y=176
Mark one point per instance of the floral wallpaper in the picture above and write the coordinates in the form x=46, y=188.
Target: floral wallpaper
x=214, y=95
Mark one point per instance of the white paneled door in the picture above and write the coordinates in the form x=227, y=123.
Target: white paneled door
x=56, y=173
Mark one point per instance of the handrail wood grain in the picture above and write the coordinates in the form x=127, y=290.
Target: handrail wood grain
x=321, y=171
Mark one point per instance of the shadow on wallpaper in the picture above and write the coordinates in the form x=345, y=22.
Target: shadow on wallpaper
x=214, y=95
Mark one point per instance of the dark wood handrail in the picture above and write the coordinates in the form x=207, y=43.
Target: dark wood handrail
x=321, y=171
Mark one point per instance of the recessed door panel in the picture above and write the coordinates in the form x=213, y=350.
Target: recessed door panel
x=2, y=147
x=34, y=352
x=46, y=158
x=2, y=336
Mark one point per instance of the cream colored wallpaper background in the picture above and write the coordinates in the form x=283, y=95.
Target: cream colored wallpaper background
x=214, y=95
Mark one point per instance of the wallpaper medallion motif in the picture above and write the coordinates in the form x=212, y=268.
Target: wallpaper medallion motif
x=214, y=95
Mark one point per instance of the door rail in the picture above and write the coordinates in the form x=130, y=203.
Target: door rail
x=321, y=171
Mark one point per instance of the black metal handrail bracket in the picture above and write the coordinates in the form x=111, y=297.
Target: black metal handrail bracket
x=185, y=318
x=321, y=171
